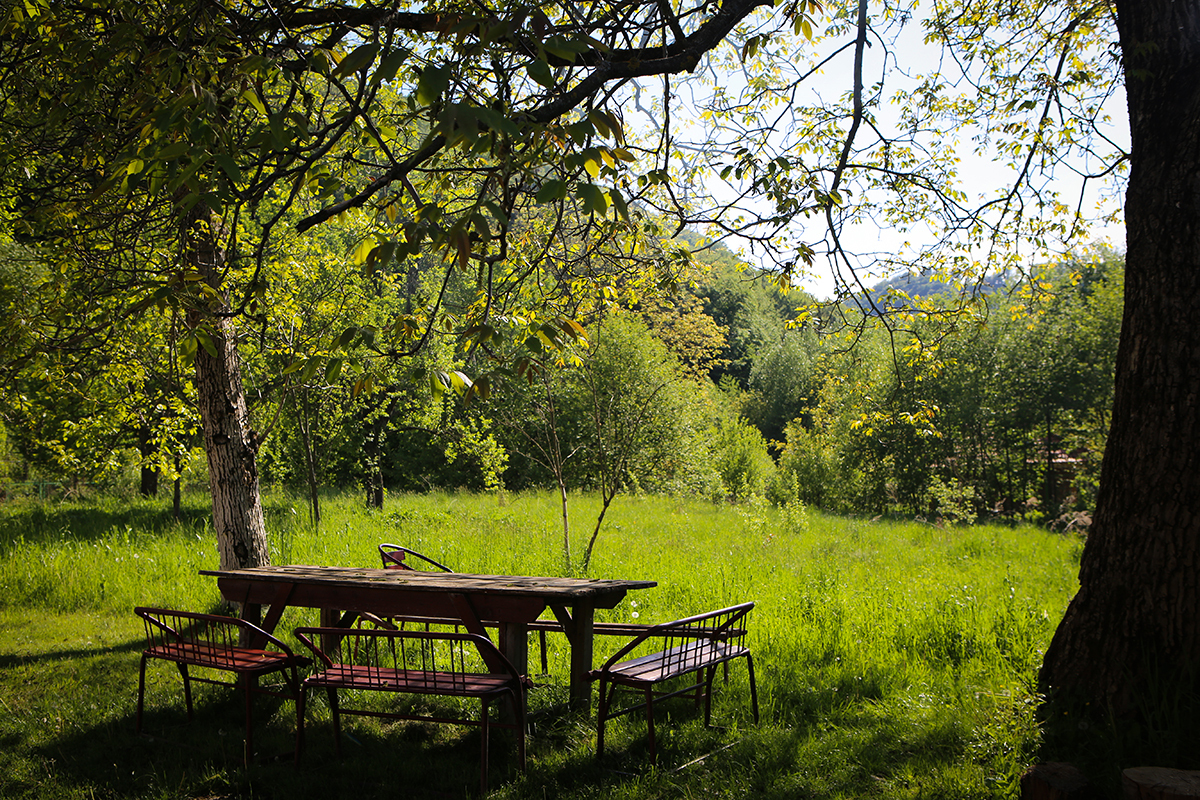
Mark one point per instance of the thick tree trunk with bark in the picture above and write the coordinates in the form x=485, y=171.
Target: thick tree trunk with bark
x=229, y=441
x=1133, y=630
x=232, y=453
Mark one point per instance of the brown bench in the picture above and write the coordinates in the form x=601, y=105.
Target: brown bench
x=693, y=646
x=418, y=662
x=209, y=641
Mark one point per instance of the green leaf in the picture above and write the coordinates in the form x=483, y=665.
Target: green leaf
x=591, y=162
x=552, y=190
x=439, y=382
x=619, y=203
x=380, y=255
x=599, y=121
x=310, y=369
x=390, y=65
x=580, y=131
x=433, y=81
x=333, y=369
x=363, y=251
x=206, y=342
x=173, y=151
x=229, y=166
x=251, y=97
x=359, y=58
x=540, y=72
x=593, y=197
x=572, y=328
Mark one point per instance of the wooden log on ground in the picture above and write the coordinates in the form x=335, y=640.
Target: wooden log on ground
x=1056, y=781
x=1160, y=783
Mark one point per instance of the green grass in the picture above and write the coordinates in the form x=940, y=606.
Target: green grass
x=894, y=659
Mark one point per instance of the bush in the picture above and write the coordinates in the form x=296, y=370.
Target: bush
x=741, y=459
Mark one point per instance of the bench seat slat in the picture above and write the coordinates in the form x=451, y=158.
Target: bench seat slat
x=673, y=663
x=354, y=676
x=233, y=659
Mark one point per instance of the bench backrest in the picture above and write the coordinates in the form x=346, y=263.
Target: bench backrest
x=206, y=639
x=445, y=657
x=689, y=643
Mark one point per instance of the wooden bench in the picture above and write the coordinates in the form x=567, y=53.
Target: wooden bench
x=213, y=642
x=693, y=646
x=417, y=662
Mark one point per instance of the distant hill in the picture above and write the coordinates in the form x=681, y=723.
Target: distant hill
x=923, y=286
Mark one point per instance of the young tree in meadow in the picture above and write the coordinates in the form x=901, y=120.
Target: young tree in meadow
x=529, y=410
x=628, y=408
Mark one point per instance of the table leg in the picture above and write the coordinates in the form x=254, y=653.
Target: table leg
x=580, y=637
x=514, y=644
x=252, y=612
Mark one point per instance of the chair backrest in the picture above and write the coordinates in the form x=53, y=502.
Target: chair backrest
x=395, y=556
x=434, y=660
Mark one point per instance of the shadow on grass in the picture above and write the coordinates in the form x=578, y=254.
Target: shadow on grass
x=41, y=524
x=48, y=660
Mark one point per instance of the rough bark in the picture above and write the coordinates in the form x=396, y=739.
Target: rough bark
x=1132, y=627
x=1158, y=783
x=305, y=421
x=229, y=441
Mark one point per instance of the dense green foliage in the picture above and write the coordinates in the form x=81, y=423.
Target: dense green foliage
x=893, y=659
x=379, y=210
x=1005, y=414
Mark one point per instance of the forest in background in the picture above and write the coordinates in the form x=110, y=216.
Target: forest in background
x=715, y=383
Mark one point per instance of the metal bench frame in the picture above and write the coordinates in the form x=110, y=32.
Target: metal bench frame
x=210, y=641
x=414, y=662
x=693, y=646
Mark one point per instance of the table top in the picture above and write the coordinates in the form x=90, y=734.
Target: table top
x=551, y=589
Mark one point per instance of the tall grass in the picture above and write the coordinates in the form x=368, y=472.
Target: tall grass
x=894, y=659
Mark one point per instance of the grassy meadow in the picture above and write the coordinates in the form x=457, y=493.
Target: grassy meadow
x=894, y=659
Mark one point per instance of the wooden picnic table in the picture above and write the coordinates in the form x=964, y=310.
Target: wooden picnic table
x=509, y=602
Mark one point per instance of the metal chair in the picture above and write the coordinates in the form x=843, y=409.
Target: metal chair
x=396, y=557
x=209, y=641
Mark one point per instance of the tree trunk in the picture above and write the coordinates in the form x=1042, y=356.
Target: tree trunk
x=229, y=442
x=1159, y=783
x=1132, y=628
x=304, y=416
x=175, y=497
x=374, y=478
x=149, y=473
